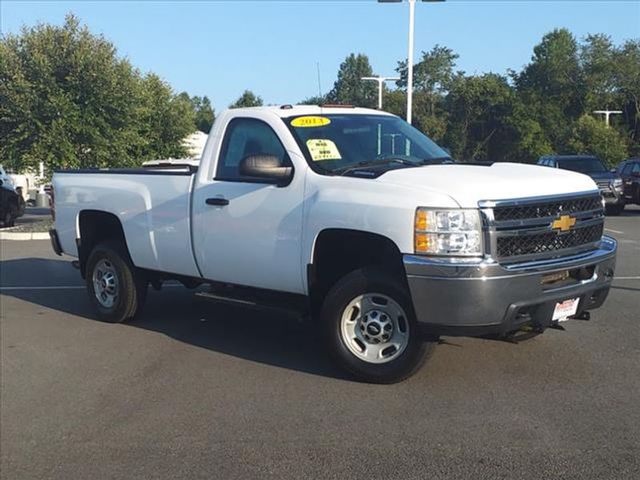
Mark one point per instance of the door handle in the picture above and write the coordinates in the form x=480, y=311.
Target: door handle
x=219, y=201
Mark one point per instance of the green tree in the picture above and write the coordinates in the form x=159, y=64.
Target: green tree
x=552, y=86
x=479, y=111
x=434, y=126
x=598, y=62
x=531, y=141
x=247, y=99
x=314, y=100
x=432, y=78
x=433, y=73
x=67, y=99
x=592, y=136
x=430, y=115
x=205, y=114
x=349, y=88
x=166, y=119
x=627, y=84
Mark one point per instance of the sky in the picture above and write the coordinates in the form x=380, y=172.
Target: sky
x=219, y=48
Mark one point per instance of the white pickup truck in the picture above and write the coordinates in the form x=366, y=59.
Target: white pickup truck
x=353, y=217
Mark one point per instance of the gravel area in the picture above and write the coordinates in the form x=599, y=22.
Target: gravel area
x=30, y=227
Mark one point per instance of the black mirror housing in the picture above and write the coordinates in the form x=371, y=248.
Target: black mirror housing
x=267, y=167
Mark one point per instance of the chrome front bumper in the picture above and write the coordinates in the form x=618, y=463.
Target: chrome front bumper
x=478, y=297
x=612, y=196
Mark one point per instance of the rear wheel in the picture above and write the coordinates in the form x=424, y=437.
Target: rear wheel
x=371, y=329
x=115, y=287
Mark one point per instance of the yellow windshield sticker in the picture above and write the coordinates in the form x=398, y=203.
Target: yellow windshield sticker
x=310, y=121
x=323, y=149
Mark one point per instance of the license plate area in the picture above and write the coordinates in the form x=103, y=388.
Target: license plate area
x=565, y=309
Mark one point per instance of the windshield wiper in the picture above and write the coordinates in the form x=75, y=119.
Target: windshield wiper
x=436, y=161
x=371, y=163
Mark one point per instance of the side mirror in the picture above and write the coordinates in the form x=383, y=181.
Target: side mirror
x=268, y=167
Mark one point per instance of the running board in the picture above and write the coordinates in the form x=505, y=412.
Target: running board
x=278, y=306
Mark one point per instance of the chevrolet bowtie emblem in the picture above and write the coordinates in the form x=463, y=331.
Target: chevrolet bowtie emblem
x=564, y=223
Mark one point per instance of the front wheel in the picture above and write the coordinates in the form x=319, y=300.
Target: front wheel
x=371, y=329
x=8, y=220
x=115, y=287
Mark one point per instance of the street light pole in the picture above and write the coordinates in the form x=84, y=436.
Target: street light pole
x=380, y=81
x=607, y=114
x=412, y=14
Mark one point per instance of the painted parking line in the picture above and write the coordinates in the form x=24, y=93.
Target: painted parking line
x=60, y=287
x=66, y=287
x=627, y=278
x=613, y=231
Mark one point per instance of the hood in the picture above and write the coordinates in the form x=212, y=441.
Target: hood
x=468, y=184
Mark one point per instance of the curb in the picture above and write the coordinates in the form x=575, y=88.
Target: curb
x=24, y=235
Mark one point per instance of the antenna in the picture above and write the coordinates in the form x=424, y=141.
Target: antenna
x=319, y=84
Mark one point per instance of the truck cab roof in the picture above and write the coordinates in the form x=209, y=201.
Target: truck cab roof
x=285, y=111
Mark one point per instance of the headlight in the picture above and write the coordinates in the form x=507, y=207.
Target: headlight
x=448, y=232
x=617, y=183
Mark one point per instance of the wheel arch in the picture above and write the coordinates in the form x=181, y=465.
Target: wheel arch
x=94, y=227
x=339, y=251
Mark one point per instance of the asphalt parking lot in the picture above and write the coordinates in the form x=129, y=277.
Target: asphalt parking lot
x=197, y=390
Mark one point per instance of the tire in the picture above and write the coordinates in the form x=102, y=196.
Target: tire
x=8, y=220
x=614, y=210
x=121, y=288
x=364, y=299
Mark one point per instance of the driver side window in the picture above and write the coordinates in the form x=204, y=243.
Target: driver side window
x=246, y=137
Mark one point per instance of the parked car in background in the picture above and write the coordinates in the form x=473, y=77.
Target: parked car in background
x=629, y=171
x=11, y=204
x=5, y=178
x=609, y=183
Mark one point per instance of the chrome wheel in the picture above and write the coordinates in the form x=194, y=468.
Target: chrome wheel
x=105, y=283
x=375, y=328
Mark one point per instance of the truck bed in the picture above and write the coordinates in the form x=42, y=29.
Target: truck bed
x=152, y=203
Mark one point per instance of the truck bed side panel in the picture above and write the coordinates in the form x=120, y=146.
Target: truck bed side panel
x=154, y=211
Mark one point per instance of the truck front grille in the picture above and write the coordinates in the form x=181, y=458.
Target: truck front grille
x=546, y=209
x=543, y=243
x=541, y=228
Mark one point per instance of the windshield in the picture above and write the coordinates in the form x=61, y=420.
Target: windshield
x=339, y=143
x=582, y=165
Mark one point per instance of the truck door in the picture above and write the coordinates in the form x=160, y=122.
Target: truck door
x=247, y=231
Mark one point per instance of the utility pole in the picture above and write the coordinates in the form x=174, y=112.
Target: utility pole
x=607, y=114
x=380, y=81
x=412, y=14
